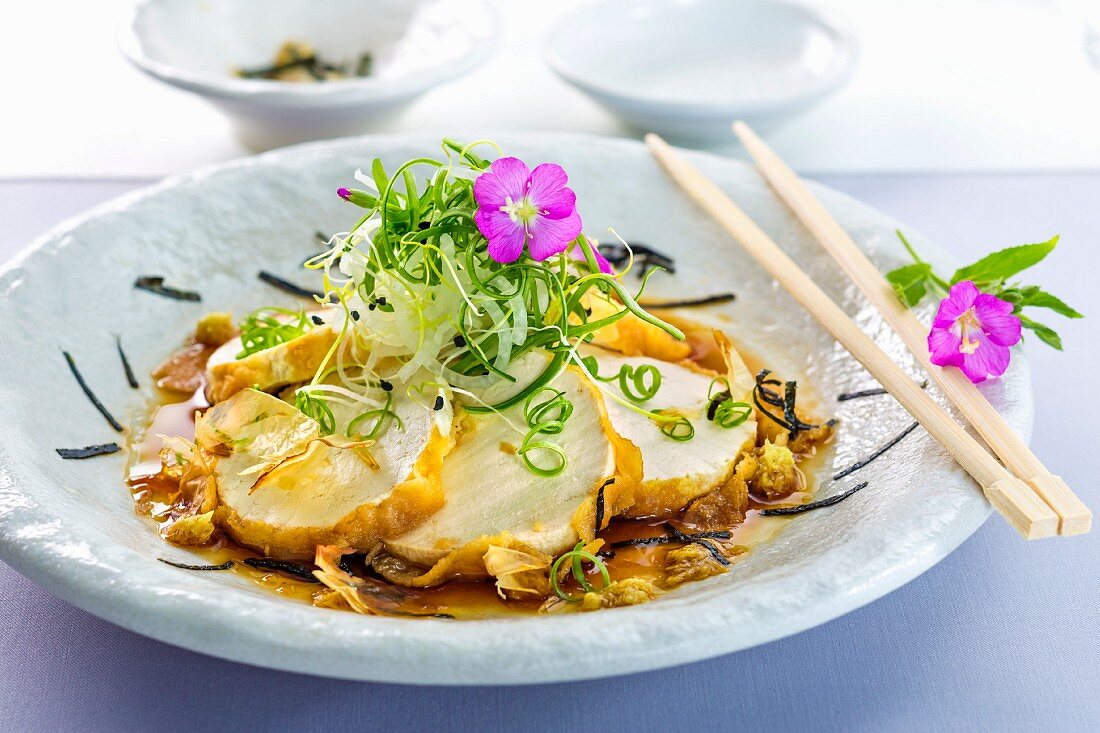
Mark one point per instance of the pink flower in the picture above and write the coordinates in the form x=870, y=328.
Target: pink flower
x=518, y=206
x=973, y=331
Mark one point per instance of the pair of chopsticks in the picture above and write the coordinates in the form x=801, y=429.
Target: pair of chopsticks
x=1033, y=500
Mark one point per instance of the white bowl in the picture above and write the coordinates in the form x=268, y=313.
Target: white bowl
x=689, y=68
x=71, y=525
x=415, y=45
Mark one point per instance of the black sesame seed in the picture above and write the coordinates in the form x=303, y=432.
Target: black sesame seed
x=355, y=315
x=422, y=225
x=438, y=403
x=317, y=320
x=371, y=306
x=387, y=386
x=460, y=341
x=382, y=300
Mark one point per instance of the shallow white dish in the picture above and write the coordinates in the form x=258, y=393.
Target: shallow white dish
x=71, y=526
x=687, y=69
x=415, y=45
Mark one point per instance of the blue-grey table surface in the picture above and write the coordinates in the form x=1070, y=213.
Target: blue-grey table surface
x=1003, y=635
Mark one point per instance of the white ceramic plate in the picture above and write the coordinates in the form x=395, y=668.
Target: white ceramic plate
x=688, y=68
x=71, y=526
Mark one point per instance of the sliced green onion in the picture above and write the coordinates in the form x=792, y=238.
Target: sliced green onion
x=577, y=556
x=264, y=328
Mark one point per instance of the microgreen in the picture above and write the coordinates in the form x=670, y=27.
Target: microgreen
x=638, y=384
x=576, y=557
x=992, y=275
x=427, y=295
x=268, y=327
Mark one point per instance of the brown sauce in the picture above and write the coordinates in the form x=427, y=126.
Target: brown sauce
x=155, y=494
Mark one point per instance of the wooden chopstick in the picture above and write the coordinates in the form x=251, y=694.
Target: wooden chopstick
x=1074, y=516
x=1010, y=496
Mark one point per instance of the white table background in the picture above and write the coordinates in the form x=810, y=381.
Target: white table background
x=975, y=122
x=943, y=85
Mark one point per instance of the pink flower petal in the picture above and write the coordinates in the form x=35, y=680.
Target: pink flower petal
x=547, y=192
x=506, y=238
x=990, y=360
x=943, y=346
x=507, y=177
x=548, y=237
x=958, y=300
x=997, y=320
x=602, y=262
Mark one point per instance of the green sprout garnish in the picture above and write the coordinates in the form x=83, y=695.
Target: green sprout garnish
x=722, y=409
x=545, y=418
x=638, y=384
x=268, y=327
x=381, y=416
x=317, y=408
x=577, y=556
x=675, y=425
x=416, y=274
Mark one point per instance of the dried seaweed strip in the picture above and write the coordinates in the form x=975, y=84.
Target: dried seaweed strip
x=184, y=566
x=287, y=286
x=155, y=284
x=646, y=257
x=299, y=572
x=788, y=510
x=130, y=378
x=674, y=535
x=600, y=504
x=91, y=395
x=90, y=451
x=689, y=303
x=846, y=396
x=866, y=461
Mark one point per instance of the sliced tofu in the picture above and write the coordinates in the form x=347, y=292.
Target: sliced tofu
x=493, y=500
x=284, y=489
x=294, y=361
x=676, y=472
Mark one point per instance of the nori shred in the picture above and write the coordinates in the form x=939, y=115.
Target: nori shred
x=155, y=284
x=600, y=504
x=130, y=378
x=866, y=461
x=691, y=302
x=184, y=566
x=90, y=451
x=787, y=510
x=646, y=257
x=697, y=539
x=845, y=396
x=673, y=535
x=790, y=420
x=91, y=395
x=287, y=286
x=299, y=572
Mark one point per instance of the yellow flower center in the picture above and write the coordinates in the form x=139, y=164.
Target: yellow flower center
x=520, y=212
x=967, y=324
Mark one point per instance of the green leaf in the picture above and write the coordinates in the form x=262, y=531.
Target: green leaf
x=1042, y=299
x=1044, y=333
x=910, y=282
x=1005, y=263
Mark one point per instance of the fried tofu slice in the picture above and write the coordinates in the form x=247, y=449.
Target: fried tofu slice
x=283, y=489
x=676, y=472
x=291, y=362
x=493, y=500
